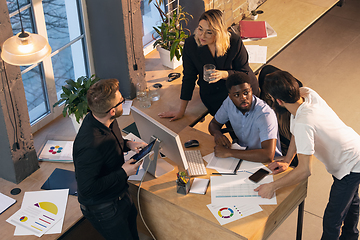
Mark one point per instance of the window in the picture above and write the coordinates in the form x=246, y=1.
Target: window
x=61, y=22
x=151, y=17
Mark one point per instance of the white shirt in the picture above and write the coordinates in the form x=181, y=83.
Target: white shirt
x=320, y=132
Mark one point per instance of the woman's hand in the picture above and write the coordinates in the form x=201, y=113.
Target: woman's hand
x=218, y=75
x=174, y=115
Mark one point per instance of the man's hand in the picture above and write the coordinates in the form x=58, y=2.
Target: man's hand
x=222, y=152
x=265, y=190
x=174, y=115
x=136, y=146
x=278, y=166
x=222, y=140
x=129, y=168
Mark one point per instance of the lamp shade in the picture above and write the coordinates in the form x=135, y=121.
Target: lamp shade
x=25, y=49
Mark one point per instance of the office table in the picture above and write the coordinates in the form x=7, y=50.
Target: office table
x=33, y=183
x=289, y=18
x=170, y=215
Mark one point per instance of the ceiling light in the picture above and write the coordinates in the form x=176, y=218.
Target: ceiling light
x=25, y=48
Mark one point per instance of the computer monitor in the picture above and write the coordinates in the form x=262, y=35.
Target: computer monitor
x=169, y=141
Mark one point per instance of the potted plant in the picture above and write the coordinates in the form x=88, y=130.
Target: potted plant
x=74, y=97
x=172, y=35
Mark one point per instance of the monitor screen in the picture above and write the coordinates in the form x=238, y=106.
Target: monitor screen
x=170, y=144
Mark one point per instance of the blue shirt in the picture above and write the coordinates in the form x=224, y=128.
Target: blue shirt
x=252, y=128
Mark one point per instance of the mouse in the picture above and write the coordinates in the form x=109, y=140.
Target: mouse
x=191, y=143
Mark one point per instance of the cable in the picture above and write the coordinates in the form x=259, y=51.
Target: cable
x=14, y=125
x=138, y=199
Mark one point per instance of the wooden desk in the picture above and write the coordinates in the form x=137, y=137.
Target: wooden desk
x=289, y=19
x=170, y=215
x=33, y=183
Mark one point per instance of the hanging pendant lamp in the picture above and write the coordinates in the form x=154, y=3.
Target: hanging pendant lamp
x=25, y=48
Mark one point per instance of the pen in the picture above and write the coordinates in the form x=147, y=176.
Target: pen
x=238, y=166
x=217, y=173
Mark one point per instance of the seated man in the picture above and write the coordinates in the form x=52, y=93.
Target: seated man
x=253, y=121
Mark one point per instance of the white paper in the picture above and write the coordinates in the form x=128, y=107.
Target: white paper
x=257, y=54
x=228, y=213
x=57, y=197
x=126, y=107
x=251, y=166
x=199, y=185
x=140, y=172
x=223, y=165
x=57, y=151
x=34, y=219
x=5, y=202
x=227, y=189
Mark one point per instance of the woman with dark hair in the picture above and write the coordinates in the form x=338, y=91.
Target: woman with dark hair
x=211, y=44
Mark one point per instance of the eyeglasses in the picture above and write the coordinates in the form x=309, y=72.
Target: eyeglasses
x=121, y=102
x=206, y=33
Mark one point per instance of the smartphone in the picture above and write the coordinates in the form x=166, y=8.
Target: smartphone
x=144, y=152
x=258, y=175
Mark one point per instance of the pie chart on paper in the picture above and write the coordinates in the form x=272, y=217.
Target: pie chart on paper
x=23, y=219
x=48, y=206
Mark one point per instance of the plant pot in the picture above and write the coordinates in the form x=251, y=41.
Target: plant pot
x=254, y=17
x=75, y=123
x=165, y=58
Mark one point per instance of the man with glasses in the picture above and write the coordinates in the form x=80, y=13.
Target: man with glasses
x=100, y=169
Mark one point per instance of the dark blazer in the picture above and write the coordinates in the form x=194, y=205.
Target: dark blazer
x=98, y=155
x=195, y=57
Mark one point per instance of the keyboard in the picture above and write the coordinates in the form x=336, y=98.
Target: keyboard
x=195, y=163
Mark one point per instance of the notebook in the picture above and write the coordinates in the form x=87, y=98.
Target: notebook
x=5, y=202
x=253, y=29
x=61, y=179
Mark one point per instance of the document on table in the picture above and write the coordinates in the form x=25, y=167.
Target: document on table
x=34, y=219
x=227, y=189
x=52, y=201
x=5, y=202
x=199, y=185
x=257, y=54
x=223, y=165
x=226, y=213
x=251, y=166
x=57, y=151
x=127, y=155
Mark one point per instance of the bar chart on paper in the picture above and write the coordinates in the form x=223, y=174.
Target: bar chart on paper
x=227, y=189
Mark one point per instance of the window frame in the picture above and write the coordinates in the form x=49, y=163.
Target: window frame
x=46, y=66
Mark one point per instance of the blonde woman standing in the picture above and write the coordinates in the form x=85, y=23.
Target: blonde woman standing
x=211, y=44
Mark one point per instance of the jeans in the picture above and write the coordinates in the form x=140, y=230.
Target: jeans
x=115, y=220
x=342, y=209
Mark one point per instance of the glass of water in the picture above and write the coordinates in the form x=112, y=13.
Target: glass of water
x=208, y=70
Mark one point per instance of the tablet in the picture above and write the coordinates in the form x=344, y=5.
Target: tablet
x=144, y=152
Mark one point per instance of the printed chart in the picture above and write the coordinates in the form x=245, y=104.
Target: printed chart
x=226, y=214
x=35, y=219
x=60, y=151
x=229, y=189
